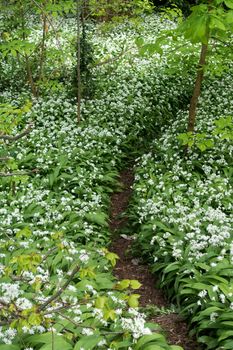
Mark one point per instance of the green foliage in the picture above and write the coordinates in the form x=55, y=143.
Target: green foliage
x=223, y=130
x=11, y=116
x=206, y=20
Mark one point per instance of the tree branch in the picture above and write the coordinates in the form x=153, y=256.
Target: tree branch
x=61, y=290
x=112, y=59
x=2, y=159
x=17, y=137
x=49, y=21
x=23, y=173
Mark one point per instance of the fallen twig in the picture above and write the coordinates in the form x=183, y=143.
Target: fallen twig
x=17, y=137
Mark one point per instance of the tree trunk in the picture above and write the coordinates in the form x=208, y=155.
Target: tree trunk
x=30, y=77
x=27, y=60
x=197, y=88
x=43, y=49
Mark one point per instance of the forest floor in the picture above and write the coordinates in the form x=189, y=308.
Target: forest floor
x=152, y=298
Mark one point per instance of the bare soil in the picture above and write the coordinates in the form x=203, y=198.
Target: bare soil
x=175, y=328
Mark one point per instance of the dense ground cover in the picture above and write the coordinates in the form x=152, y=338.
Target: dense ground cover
x=56, y=286
x=182, y=211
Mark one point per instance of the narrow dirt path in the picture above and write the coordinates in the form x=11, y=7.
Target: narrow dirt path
x=175, y=328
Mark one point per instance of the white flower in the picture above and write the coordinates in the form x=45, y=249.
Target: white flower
x=87, y=331
x=213, y=316
x=23, y=303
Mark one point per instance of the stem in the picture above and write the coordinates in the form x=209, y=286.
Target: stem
x=50, y=23
x=61, y=290
x=22, y=173
x=28, y=64
x=42, y=55
x=197, y=88
x=17, y=137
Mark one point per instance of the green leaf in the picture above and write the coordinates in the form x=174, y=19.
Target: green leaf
x=9, y=347
x=112, y=257
x=100, y=302
x=25, y=232
x=229, y=17
x=88, y=343
x=153, y=347
x=195, y=28
x=52, y=346
x=201, y=146
x=215, y=22
x=147, y=339
x=133, y=300
x=110, y=314
x=46, y=338
x=225, y=334
x=134, y=284
x=172, y=267
x=124, y=284
x=229, y=3
x=139, y=42
x=98, y=218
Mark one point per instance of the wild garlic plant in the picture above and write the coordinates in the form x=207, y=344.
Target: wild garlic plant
x=183, y=206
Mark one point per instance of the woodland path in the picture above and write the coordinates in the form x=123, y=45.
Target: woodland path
x=175, y=328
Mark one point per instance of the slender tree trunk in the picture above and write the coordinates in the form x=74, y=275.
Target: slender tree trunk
x=27, y=60
x=78, y=61
x=197, y=88
x=42, y=54
x=30, y=77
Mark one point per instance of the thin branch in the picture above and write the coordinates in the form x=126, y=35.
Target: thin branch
x=2, y=159
x=5, y=323
x=113, y=59
x=72, y=321
x=48, y=253
x=50, y=22
x=17, y=137
x=61, y=290
x=223, y=42
x=22, y=173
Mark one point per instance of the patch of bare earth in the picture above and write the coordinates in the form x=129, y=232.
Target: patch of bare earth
x=175, y=328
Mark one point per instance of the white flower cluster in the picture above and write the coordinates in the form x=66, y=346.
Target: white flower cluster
x=135, y=325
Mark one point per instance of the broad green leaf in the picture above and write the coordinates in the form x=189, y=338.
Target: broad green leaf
x=46, y=338
x=147, y=339
x=98, y=218
x=110, y=314
x=100, y=302
x=88, y=342
x=216, y=22
x=53, y=346
x=9, y=347
x=225, y=334
x=153, y=347
x=133, y=300
x=134, y=284
x=229, y=17
x=172, y=267
x=112, y=257
x=124, y=284
x=229, y=3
